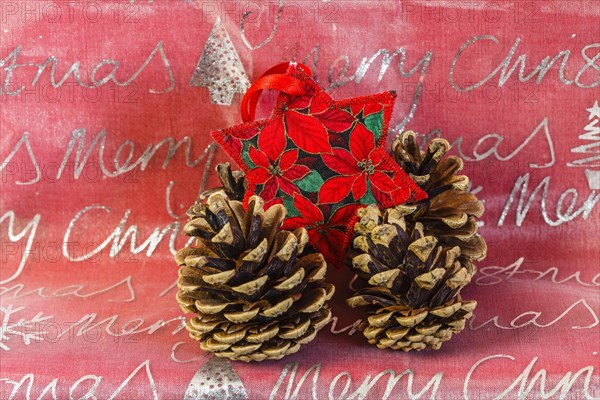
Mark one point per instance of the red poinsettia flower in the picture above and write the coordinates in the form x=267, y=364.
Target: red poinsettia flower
x=333, y=118
x=329, y=237
x=275, y=168
x=310, y=138
x=306, y=131
x=306, y=120
x=367, y=108
x=363, y=163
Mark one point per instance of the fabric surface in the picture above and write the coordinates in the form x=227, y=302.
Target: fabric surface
x=106, y=110
x=322, y=159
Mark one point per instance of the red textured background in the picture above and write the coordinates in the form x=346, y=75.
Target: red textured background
x=536, y=322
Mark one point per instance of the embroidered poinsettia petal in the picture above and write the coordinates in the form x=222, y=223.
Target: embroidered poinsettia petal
x=309, y=211
x=367, y=108
x=270, y=188
x=307, y=132
x=259, y=175
x=406, y=190
x=319, y=104
x=341, y=161
x=336, y=120
x=335, y=189
x=334, y=237
x=387, y=198
x=317, y=240
x=399, y=196
x=272, y=202
x=259, y=158
x=331, y=242
x=384, y=198
x=403, y=188
x=383, y=161
x=382, y=181
x=301, y=102
x=362, y=142
x=359, y=187
x=287, y=186
x=343, y=215
x=288, y=159
x=295, y=222
x=271, y=140
x=296, y=172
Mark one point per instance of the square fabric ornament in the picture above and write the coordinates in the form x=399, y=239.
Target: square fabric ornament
x=322, y=159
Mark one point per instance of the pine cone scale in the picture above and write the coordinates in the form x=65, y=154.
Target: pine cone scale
x=412, y=303
x=256, y=292
x=413, y=260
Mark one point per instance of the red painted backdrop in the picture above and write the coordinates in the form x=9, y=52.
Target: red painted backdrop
x=105, y=114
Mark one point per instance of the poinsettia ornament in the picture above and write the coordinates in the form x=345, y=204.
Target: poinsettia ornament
x=322, y=159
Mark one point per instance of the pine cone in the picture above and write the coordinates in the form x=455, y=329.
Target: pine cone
x=256, y=289
x=450, y=212
x=233, y=183
x=411, y=282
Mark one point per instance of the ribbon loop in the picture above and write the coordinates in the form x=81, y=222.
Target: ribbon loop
x=276, y=78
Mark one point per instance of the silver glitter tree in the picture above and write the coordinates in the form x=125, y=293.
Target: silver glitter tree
x=216, y=380
x=591, y=150
x=219, y=68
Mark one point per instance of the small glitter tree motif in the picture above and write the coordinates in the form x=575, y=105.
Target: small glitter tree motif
x=219, y=68
x=216, y=380
x=591, y=149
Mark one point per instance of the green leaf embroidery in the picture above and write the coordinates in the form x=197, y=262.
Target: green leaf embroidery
x=310, y=183
x=374, y=122
x=246, y=153
x=368, y=197
x=288, y=203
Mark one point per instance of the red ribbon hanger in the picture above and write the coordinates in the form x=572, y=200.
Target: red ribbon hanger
x=275, y=78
